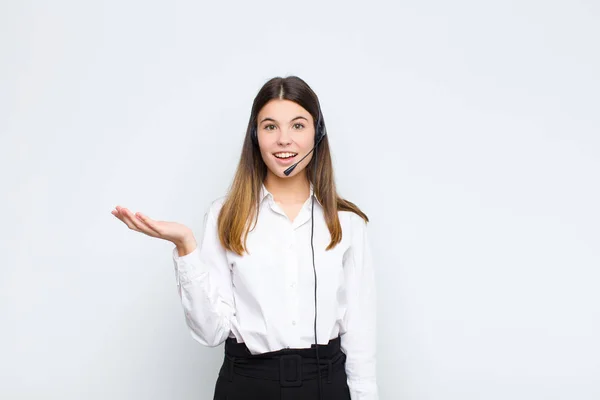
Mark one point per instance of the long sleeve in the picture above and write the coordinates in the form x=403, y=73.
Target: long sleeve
x=204, y=285
x=359, y=340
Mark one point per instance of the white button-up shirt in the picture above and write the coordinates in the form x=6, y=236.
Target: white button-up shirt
x=266, y=298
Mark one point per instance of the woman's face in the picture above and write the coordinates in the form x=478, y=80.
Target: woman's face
x=285, y=127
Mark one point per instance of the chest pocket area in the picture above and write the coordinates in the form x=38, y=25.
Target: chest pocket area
x=258, y=268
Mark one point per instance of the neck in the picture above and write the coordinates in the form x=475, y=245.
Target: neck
x=292, y=190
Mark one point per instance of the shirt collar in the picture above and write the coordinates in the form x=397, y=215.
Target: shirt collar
x=265, y=193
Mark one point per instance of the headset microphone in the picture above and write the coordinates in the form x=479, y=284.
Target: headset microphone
x=291, y=168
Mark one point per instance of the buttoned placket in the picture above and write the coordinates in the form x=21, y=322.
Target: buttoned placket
x=291, y=261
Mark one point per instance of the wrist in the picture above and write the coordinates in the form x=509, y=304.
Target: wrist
x=186, y=245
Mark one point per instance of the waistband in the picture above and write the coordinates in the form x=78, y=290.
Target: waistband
x=288, y=366
x=240, y=350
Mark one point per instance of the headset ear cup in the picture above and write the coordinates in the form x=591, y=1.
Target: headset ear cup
x=253, y=136
x=319, y=130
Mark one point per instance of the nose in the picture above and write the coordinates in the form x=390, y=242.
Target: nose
x=284, y=137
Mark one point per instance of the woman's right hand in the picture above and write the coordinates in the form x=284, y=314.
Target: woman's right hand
x=174, y=232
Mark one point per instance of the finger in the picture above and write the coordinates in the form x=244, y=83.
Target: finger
x=133, y=222
x=148, y=222
x=118, y=215
x=118, y=212
x=139, y=224
x=125, y=213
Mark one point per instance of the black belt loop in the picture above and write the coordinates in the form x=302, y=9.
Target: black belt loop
x=329, y=370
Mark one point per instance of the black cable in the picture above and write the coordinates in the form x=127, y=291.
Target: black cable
x=320, y=132
x=312, y=228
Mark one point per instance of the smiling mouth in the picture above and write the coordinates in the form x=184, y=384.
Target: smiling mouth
x=285, y=156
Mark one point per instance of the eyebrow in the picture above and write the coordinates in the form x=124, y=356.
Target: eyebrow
x=271, y=119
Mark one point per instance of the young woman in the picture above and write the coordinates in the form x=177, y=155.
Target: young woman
x=283, y=274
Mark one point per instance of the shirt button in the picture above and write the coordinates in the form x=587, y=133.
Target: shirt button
x=293, y=322
x=293, y=284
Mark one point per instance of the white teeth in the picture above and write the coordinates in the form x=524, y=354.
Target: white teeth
x=284, y=155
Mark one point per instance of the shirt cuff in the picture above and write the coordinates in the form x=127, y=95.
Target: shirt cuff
x=187, y=267
x=363, y=390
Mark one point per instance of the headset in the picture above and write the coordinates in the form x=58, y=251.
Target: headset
x=320, y=133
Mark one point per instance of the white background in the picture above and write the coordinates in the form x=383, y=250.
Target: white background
x=467, y=131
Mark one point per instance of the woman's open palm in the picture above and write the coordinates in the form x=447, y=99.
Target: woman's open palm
x=172, y=231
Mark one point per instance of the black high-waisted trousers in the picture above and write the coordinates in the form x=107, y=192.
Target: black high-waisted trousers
x=287, y=374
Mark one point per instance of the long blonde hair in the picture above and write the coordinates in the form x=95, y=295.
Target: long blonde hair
x=241, y=204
